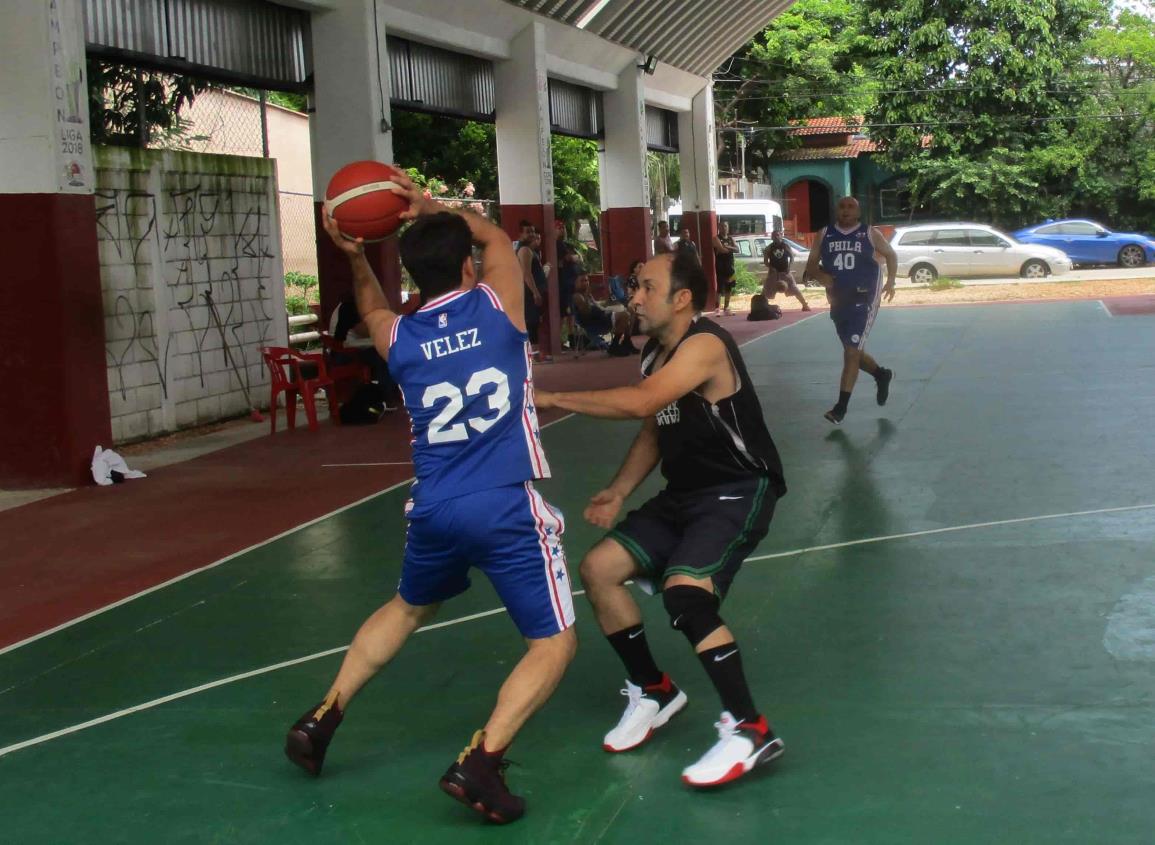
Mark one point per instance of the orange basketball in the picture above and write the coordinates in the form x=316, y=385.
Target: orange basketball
x=359, y=199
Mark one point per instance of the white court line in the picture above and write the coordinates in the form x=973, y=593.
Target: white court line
x=156, y=702
x=948, y=529
x=215, y=564
x=385, y=464
x=63, y=625
x=176, y=696
x=1106, y=310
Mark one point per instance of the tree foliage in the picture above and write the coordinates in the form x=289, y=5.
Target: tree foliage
x=982, y=100
x=128, y=106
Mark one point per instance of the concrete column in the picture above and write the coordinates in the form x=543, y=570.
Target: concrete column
x=53, y=371
x=351, y=122
x=699, y=159
x=625, y=184
x=524, y=158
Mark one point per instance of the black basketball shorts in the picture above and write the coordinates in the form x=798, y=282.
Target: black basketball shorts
x=705, y=533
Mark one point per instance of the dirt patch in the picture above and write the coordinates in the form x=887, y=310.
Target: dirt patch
x=905, y=295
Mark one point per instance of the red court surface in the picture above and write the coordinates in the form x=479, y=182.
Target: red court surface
x=1124, y=306
x=79, y=551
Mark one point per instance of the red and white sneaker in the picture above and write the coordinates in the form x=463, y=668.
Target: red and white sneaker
x=741, y=746
x=647, y=710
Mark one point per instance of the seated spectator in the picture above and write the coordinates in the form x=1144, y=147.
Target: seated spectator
x=347, y=327
x=596, y=320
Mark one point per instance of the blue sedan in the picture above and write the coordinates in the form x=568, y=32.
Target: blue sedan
x=1089, y=243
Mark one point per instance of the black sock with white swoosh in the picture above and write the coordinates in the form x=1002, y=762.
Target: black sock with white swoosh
x=724, y=666
x=631, y=646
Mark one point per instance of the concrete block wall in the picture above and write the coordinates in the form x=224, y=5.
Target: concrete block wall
x=173, y=227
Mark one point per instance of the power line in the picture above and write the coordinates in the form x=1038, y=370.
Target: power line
x=927, y=123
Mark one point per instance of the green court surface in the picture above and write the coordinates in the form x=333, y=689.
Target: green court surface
x=990, y=684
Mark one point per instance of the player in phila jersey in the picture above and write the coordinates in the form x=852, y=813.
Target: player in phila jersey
x=462, y=362
x=847, y=263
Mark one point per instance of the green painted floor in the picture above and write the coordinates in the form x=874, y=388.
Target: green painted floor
x=993, y=684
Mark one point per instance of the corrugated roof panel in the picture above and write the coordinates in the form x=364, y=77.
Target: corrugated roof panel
x=691, y=35
x=426, y=78
x=243, y=40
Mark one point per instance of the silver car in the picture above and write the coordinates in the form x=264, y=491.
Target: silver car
x=750, y=248
x=968, y=250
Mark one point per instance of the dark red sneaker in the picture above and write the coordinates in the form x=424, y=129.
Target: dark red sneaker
x=477, y=780
x=310, y=735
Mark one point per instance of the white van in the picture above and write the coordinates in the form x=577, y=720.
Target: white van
x=746, y=217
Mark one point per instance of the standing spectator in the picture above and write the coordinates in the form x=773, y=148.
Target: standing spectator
x=533, y=274
x=684, y=243
x=568, y=268
x=724, y=249
x=777, y=257
x=663, y=243
x=525, y=229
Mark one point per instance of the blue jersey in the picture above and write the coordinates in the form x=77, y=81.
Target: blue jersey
x=465, y=373
x=849, y=258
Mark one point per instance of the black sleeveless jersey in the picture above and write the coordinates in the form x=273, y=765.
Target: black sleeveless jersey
x=703, y=444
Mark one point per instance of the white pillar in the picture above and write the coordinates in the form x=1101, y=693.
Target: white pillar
x=524, y=162
x=698, y=153
x=351, y=120
x=625, y=180
x=44, y=146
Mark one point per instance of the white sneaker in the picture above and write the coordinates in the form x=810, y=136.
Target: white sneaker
x=647, y=710
x=739, y=749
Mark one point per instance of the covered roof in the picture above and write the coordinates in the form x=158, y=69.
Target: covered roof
x=692, y=35
x=854, y=149
x=828, y=126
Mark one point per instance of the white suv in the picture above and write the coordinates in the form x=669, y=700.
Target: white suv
x=963, y=250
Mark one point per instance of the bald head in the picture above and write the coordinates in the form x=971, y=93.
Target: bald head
x=848, y=212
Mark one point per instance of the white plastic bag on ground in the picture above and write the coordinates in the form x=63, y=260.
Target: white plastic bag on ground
x=105, y=462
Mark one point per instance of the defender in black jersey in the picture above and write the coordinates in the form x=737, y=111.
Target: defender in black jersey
x=702, y=421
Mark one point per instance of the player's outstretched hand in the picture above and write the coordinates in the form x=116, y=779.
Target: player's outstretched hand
x=603, y=508
x=543, y=399
x=351, y=248
x=888, y=291
x=418, y=203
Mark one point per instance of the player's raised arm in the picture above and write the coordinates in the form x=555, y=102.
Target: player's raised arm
x=499, y=268
x=371, y=302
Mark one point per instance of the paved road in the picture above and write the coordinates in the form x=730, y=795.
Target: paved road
x=1095, y=275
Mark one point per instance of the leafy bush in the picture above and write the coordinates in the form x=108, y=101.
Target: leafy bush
x=745, y=281
x=304, y=281
x=297, y=305
x=945, y=283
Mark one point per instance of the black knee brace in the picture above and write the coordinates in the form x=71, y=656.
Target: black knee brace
x=693, y=611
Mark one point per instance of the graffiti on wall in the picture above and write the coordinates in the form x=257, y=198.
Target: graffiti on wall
x=199, y=237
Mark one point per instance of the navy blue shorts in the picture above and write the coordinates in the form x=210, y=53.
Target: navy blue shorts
x=854, y=319
x=512, y=535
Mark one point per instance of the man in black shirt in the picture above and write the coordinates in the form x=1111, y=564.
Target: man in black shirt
x=703, y=422
x=777, y=257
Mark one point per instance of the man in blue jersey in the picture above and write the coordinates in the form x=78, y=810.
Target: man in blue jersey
x=846, y=263
x=462, y=362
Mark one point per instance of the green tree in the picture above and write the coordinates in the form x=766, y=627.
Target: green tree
x=447, y=148
x=980, y=101
x=811, y=61
x=129, y=106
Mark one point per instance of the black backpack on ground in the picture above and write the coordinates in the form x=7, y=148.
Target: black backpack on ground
x=762, y=309
x=365, y=406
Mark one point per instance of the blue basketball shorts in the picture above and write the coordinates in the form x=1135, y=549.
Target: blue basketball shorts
x=854, y=315
x=512, y=535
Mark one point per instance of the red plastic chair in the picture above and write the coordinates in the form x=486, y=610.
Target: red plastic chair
x=297, y=374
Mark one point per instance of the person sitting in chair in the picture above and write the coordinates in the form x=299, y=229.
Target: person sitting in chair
x=596, y=321
x=347, y=327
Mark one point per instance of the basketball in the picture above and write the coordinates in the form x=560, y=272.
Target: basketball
x=359, y=199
